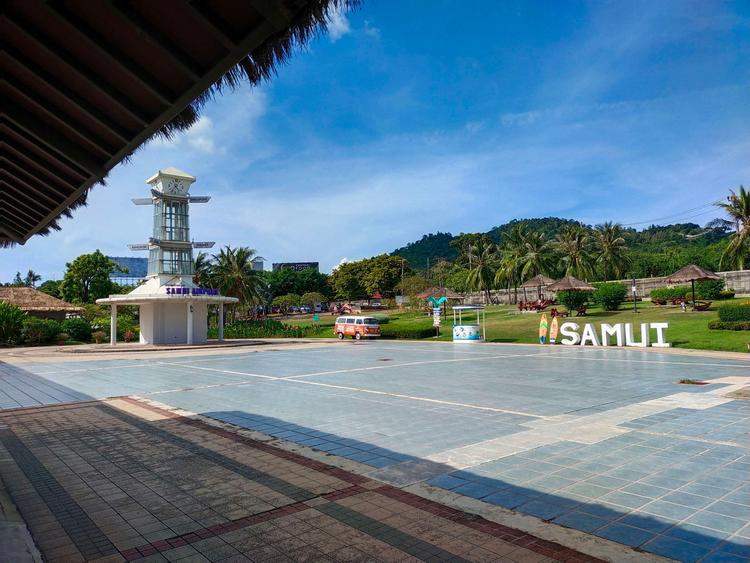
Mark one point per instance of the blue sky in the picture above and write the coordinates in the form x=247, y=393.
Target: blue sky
x=414, y=117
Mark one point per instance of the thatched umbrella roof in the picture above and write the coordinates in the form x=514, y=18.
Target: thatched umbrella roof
x=692, y=273
x=438, y=292
x=30, y=299
x=569, y=283
x=536, y=281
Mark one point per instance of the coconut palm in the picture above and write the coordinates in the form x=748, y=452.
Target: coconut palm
x=737, y=208
x=480, y=277
x=536, y=257
x=611, y=250
x=573, y=244
x=233, y=272
x=202, y=270
x=511, y=253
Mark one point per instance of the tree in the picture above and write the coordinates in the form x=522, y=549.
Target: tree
x=611, y=250
x=737, y=207
x=285, y=302
x=412, y=285
x=18, y=281
x=511, y=251
x=233, y=272
x=202, y=270
x=382, y=274
x=86, y=278
x=312, y=298
x=482, y=257
x=286, y=280
x=51, y=287
x=346, y=281
x=31, y=278
x=573, y=244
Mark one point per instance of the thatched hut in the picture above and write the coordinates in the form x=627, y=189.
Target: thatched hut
x=37, y=303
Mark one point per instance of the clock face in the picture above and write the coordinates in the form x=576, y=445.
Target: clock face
x=173, y=186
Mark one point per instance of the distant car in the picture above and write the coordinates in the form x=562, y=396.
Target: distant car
x=304, y=310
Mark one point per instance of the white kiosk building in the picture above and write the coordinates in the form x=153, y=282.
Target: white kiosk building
x=173, y=310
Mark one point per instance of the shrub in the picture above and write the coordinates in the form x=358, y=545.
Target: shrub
x=62, y=337
x=266, y=328
x=382, y=319
x=99, y=336
x=734, y=312
x=11, y=323
x=709, y=289
x=407, y=332
x=573, y=299
x=678, y=292
x=609, y=295
x=729, y=325
x=40, y=331
x=726, y=294
x=78, y=329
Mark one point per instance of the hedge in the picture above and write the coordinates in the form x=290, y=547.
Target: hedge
x=11, y=323
x=678, y=292
x=573, y=299
x=729, y=325
x=266, y=328
x=726, y=294
x=735, y=312
x=407, y=332
x=609, y=295
x=40, y=331
x=78, y=329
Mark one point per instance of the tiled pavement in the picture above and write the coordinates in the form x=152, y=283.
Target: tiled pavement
x=603, y=441
x=123, y=481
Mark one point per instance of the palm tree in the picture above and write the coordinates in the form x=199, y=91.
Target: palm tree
x=481, y=255
x=573, y=244
x=737, y=207
x=233, y=273
x=537, y=255
x=31, y=278
x=511, y=253
x=611, y=250
x=202, y=270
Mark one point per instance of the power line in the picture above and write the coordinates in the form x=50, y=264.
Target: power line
x=686, y=214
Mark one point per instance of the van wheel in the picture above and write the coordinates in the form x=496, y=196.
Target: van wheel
x=357, y=336
x=340, y=335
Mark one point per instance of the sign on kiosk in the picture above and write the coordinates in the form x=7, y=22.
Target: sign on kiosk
x=620, y=334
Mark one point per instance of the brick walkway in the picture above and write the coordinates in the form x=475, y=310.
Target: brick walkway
x=123, y=481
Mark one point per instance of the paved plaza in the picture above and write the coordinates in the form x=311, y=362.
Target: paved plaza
x=606, y=443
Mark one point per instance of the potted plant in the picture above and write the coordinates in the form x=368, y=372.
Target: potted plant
x=129, y=335
x=62, y=337
x=98, y=336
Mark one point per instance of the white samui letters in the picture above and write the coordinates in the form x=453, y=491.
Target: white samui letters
x=621, y=333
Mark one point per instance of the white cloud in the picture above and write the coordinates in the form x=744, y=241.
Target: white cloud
x=200, y=135
x=371, y=30
x=338, y=25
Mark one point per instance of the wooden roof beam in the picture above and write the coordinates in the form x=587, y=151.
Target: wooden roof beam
x=214, y=25
x=87, y=137
x=74, y=65
x=18, y=197
x=98, y=42
x=13, y=161
x=50, y=138
x=156, y=38
x=34, y=163
x=18, y=179
x=65, y=92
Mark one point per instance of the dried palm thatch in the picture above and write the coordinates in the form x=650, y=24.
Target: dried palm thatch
x=569, y=283
x=438, y=292
x=30, y=299
x=256, y=66
x=537, y=281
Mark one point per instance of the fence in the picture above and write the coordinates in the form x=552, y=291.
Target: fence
x=738, y=280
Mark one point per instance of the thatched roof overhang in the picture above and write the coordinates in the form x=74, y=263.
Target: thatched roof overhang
x=30, y=299
x=569, y=283
x=85, y=83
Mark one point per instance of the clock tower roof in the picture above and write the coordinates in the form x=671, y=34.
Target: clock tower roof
x=173, y=172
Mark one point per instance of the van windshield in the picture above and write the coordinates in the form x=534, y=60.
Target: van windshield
x=371, y=321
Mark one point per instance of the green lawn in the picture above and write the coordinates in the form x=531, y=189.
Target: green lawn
x=504, y=324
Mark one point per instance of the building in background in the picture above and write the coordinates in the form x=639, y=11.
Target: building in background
x=296, y=266
x=258, y=263
x=134, y=269
x=38, y=304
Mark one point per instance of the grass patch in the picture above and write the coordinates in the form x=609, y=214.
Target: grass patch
x=692, y=382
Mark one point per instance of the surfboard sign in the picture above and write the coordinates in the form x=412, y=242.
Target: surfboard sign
x=553, y=329
x=543, y=329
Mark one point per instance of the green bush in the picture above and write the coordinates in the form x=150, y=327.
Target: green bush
x=734, y=312
x=609, y=295
x=11, y=323
x=78, y=329
x=678, y=292
x=709, y=289
x=382, y=319
x=266, y=328
x=407, y=332
x=40, y=331
x=729, y=325
x=573, y=299
x=726, y=294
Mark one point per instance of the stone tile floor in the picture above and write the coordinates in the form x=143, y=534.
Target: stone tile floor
x=603, y=441
x=123, y=481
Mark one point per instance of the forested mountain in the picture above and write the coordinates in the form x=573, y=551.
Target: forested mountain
x=655, y=251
